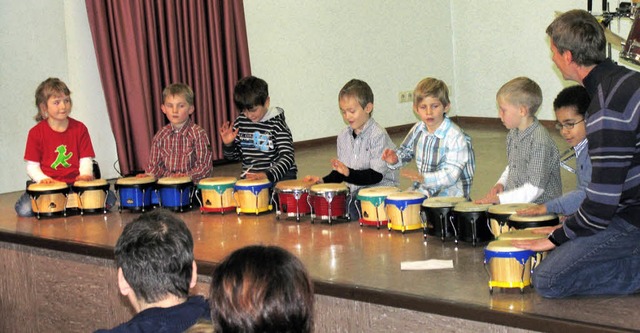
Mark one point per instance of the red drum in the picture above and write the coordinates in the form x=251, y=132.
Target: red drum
x=292, y=195
x=328, y=201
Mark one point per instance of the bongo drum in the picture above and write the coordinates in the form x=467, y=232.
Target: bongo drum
x=499, y=215
x=516, y=221
x=403, y=210
x=49, y=199
x=470, y=222
x=175, y=193
x=292, y=198
x=507, y=266
x=92, y=195
x=372, y=203
x=135, y=193
x=217, y=194
x=328, y=201
x=526, y=234
x=252, y=196
x=437, y=212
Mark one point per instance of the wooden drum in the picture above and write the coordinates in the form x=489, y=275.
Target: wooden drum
x=217, y=194
x=507, y=266
x=293, y=198
x=134, y=193
x=372, y=204
x=499, y=215
x=49, y=199
x=252, y=196
x=526, y=234
x=437, y=214
x=328, y=201
x=470, y=222
x=92, y=195
x=403, y=210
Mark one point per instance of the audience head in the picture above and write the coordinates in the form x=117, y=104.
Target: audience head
x=154, y=256
x=580, y=33
x=51, y=87
x=261, y=289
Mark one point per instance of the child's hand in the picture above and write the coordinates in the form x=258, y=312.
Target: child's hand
x=340, y=167
x=412, y=174
x=85, y=177
x=255, y=175
x=488, y=199
x=497, y=188
x=532, y=211
x=48, y=181
x=227, y=134
x=390, y=156
x=312, y=179
x=144, y=175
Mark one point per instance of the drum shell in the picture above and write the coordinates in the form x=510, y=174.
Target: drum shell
x=252, y=196
x=48, y=199
x=293, y=197
x=520, y=222
x=174, y=193
x=92, y=195
x=329, y=201
x=403, y=210
x=499, y=216
x=465, y=221
x=135, y=194
x=508, y=267
x=217, y=194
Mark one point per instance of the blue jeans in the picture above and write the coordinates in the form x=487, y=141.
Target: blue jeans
x=607, y=263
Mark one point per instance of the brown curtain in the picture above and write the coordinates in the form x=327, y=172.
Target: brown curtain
x=144, y=45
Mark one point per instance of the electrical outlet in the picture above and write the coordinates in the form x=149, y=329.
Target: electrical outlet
x=405, y=96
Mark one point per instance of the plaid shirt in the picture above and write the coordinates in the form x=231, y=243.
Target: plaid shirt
x=184, y=151
x=445, y=159
x=532, y=158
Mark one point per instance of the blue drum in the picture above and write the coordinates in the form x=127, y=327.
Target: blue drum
x=135, y=193
x=175, y=193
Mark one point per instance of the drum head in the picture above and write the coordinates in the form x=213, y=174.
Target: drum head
x=504, y=245
x=325, y=188
x=293, y=185
x=252, y=182
x=436, y=202
x=406, y=196
x=57, y=186
x=378, y=191
x=90, y=183
x=538, y=218
x=218, y=181
x=135, y=180
x=174, y=180
x=509, y=209
x=468, y=207
x=526, y=234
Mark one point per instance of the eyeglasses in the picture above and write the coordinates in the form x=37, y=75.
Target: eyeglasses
x=568, y=126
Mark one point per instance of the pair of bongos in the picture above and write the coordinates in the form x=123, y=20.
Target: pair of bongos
x=55, y=199
x=437, y=213
x=140, y=193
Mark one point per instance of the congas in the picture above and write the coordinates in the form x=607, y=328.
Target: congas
x=252, y=196
x=470, y=222
x=499, y=216
x=403, y=210
x=526, y=234
x=217, y=194
x=135, y=193
x=437, y=215
x=292, y=198
x=328, y=201
x=516, y=221
x=372, y=203
x=175, y=193
x=92, y=195
x=49, y=199
x=508, y=266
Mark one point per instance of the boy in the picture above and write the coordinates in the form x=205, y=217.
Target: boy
x=260, y=137
x=359, y=145
x=570, y=106
x=58, y=148
x=596, y=250
x=533, y=170
x=181, y=148
x=443, y=152
x=156, y=269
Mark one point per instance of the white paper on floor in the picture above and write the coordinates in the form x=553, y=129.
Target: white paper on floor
x=426, y=264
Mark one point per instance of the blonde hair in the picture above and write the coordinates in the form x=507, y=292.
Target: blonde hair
x=431, y=87
x=178, y=89
x=47, y=88
x=522, y=91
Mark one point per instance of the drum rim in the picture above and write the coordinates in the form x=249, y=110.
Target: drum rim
x=253, y=182
x=141, y=181
x=57, y=186
x=409, y=196
x=518, y=205
x=328, y=187
x=535, y=218
x=208, y=181
x=178, y=180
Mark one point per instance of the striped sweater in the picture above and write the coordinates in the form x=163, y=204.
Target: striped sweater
x=614, y=147
x=266, y=145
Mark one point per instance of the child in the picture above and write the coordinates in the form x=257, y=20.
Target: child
x=261, y=289
x=359, y=145
x=533, y=170
x=156, y=269
x=58, y=148
x=570, y=106
x=443, y=152
x=181, y=148
x=260, y=136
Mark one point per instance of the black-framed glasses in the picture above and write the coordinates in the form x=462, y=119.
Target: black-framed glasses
x=568, y=126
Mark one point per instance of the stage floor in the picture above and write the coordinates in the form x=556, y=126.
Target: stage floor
x=354, y=262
